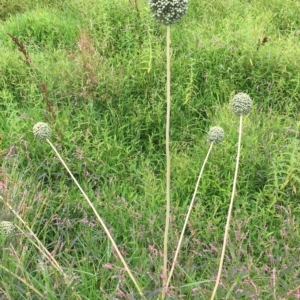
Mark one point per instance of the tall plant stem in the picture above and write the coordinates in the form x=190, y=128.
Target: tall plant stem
x=229, y=211
x=41, y=296
x=188, y=215
x=168, y=162
x=290, y=293
x=101, y=222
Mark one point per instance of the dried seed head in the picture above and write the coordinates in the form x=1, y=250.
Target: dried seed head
x=168, y=11
x=41, y=131
x=241, y=104
x=216, y=134
x=6, y=228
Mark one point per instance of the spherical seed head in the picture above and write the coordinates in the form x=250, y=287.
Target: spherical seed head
x=41, y=131
x=6, y=228
x=241, y=104
x=168, y=11
x=216, y=134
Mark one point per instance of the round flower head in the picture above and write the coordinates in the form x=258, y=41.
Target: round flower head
x=41, y=131
x=168, y=11
x=216, y=134
x=241, y=104
x=6, y=228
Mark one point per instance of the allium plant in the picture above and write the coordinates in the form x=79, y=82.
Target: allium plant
x=6, y=229
x=167, y=12
x=241, y=105
x=42, y=131
x=215, y=135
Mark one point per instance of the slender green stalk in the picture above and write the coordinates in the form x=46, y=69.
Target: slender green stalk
x=168, y=162
x=43, y=250
x=290, y=293
x=229, y=211
x=40, y=245
x=24, y=281
x=188, y=215
x=100, y=220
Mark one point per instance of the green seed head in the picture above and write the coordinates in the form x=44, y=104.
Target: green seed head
x=6, y=228
x=41, y=131
x=168, y=11
x=241, y=104
x=216, y=135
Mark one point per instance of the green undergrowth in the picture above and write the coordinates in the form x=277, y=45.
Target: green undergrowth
x=95, y=71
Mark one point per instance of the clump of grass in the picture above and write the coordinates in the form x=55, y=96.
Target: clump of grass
x=241, y=105
x=10, y=7
x=28, y=285
x=8, y=227
x=8, y=230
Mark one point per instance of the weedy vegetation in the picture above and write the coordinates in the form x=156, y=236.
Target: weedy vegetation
x=95, y=73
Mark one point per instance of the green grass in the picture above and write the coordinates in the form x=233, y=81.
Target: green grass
x=103, y=65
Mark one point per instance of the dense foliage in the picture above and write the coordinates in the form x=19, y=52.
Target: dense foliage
x=95, y=72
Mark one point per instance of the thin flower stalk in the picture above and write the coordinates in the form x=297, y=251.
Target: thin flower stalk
x=229, y=212
x=41, y=247
x=29, y=286
x=215, y=135
x=42, y=132
x=188, y=215
x=168, y=162
x=99, y=219
x=241, y=104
